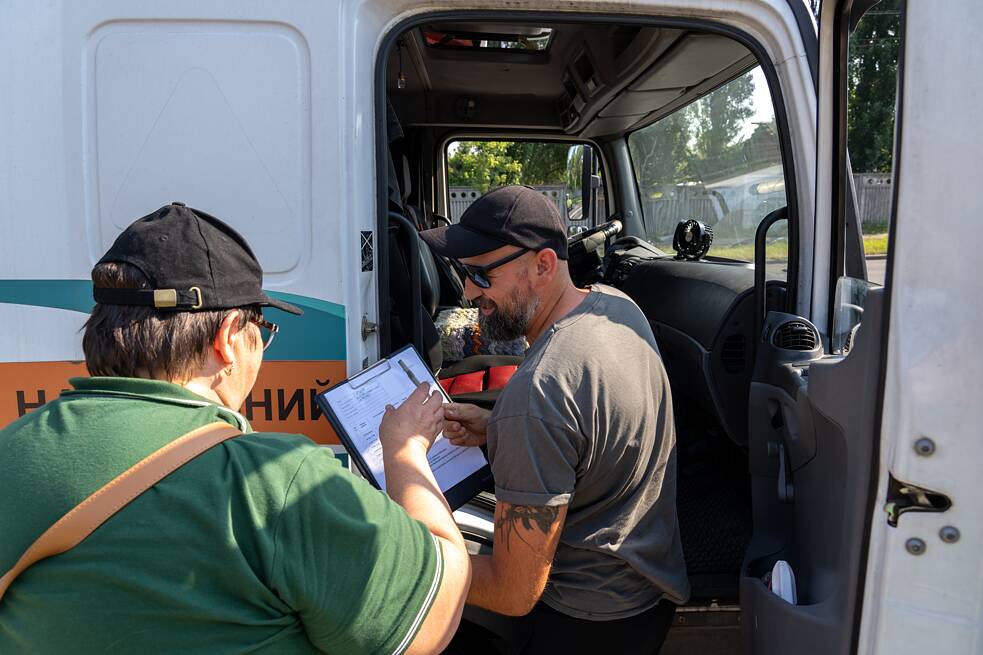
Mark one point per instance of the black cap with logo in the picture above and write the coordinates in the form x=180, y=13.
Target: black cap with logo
x=511, y=215
x=193, y=262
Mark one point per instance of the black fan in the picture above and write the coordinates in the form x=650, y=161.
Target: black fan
x=692, y=239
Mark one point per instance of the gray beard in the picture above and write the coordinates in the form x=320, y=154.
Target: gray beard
x=508, y=325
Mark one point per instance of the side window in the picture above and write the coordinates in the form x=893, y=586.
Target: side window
x=872, y=91
x=555, y=169
x=716, y=160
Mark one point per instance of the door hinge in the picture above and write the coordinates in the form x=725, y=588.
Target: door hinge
x=906, y=497
x=368, y=328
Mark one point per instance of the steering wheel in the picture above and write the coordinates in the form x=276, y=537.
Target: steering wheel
x=597, y=235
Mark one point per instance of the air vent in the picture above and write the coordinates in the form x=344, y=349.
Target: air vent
x=795, y=335
x=733, y=354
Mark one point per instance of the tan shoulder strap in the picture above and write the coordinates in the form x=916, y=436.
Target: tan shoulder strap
x=92, y=512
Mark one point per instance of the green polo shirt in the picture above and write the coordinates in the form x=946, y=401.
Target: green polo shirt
x=263, y=544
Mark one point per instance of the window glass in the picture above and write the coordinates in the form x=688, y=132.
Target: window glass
x=872, y=89
x=554, y=168
x=717, y=160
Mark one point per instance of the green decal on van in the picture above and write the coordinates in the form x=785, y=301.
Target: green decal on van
x=317, y=335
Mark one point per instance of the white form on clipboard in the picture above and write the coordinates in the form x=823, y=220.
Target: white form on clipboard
x=358, y=404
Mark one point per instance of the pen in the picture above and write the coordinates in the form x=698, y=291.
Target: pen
x=409, y=373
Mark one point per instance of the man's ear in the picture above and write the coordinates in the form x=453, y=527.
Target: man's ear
x=226, y=336
x=546, y=261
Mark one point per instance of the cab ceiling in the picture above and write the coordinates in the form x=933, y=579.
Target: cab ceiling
x=593, y=80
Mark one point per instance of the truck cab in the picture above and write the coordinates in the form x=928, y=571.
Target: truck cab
x=700, y=154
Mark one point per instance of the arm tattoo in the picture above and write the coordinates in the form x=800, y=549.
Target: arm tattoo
x=543, y=517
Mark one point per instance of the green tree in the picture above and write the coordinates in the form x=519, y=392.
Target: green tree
x=483, y=165
x=660, y=152
x=489, y=164
x=872, y=88
x=542, y=163
x=718, y=120
x=700, y=143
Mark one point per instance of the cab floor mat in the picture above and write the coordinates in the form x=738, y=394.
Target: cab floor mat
x=714, y=506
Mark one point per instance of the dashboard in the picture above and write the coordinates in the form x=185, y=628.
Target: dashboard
x=702, y=314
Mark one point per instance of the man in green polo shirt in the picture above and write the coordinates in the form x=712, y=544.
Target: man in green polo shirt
x=262, y=544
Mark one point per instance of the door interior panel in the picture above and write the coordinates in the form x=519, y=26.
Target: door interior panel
x=812, y=440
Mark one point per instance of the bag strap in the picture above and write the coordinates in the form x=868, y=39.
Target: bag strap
x=95, y=510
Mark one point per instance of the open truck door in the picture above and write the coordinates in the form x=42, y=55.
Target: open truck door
x=857, y=420
x=923, y=582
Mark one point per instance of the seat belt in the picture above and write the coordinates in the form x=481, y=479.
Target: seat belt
x=72, y=528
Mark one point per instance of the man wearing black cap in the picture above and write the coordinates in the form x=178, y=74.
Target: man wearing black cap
x=262, y=543
x=581, y=441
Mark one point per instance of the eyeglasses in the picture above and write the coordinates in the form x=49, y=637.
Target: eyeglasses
x=479, y=274
x=267, y=330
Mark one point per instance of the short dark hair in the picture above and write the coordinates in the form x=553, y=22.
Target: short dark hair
x=134, y=341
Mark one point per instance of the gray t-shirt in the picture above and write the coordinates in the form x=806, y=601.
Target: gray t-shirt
x=587, y=421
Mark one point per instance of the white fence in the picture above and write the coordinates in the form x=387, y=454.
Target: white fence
x=874, y=194
x=666, y=206
x=462, y=197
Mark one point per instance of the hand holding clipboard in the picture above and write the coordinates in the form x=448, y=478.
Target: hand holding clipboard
x=418, y=422
x=356, y=408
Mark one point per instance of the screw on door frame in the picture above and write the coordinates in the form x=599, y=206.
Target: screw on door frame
x=949, y=534
x=925, y=447
x=915, y=546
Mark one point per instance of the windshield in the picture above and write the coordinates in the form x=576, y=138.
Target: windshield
x=716, y=160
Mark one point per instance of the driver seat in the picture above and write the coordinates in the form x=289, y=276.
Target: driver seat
x=476, y=379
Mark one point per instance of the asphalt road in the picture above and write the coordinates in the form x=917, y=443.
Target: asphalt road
x=876, y=268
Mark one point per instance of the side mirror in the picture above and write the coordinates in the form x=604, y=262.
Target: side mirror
x=583, y=183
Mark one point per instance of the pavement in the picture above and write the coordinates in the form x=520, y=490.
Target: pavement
x=876, y=268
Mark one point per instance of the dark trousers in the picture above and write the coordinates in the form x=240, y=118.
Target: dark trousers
x=553, y=632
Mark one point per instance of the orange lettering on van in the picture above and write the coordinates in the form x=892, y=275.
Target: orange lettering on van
x=283, y=399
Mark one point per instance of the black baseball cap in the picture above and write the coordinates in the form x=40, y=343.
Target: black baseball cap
x=510, y=215
x=193, y=261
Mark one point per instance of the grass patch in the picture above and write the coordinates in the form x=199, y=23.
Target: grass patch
x=875, y=244
x=777, y=251
x=874, y=228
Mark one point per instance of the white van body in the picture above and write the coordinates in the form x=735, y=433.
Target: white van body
x=265, y=115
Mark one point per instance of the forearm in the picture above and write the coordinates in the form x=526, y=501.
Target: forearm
x=410, y=482
x=492, y=590
x=511, y=580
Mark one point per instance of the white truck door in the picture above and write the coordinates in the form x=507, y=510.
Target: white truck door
x=924, y=582
x=814, y=431
x=114, y=109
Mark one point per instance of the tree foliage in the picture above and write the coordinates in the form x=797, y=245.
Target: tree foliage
x=872, y=90
x=488, y=164
x=702, y=142
x=483, y=165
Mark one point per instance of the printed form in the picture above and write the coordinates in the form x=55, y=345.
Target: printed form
x=360, y=403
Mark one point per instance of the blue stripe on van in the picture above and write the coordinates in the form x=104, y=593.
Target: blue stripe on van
x=317, y=335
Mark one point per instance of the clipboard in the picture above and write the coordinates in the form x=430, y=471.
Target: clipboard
x=355, y=407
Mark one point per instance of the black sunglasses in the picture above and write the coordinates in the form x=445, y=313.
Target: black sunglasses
x=267, y=330
x=479, y=274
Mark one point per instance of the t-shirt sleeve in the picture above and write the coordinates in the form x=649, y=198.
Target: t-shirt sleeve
x=533, y=462
x=360, y=573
